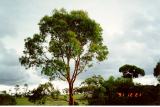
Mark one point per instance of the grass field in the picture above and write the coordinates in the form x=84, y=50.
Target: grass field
x=50, y=101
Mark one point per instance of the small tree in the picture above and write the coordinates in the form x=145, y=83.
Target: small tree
x=9, y=91
x=55, y=94
x=38, y=96
x=65, y=38
x=157, y=70
x=76, y=90
x=94, y=81
x=4, y=92
x=66, y=91
x=91, y=84
x=16, y=89
x=131, y=71
x=25, y=89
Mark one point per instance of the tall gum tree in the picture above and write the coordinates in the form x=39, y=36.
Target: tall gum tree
x=65, y=38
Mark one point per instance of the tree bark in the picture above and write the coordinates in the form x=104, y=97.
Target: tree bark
x=71, y=101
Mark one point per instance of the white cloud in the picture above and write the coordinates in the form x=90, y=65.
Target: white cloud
x=146, y=80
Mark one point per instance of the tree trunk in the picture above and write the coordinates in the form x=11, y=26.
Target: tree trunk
x=71, y=101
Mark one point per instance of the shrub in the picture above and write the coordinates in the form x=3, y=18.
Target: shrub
x=6, y=99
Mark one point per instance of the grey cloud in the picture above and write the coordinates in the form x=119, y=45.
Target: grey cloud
x=9, y=58
x=7, y=27
x=11, y=72
x=138, y=43
x=7, y=19
x=12, y=14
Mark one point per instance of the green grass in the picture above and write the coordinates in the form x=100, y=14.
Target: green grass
x=23, y=101
x=50, y=101
x=78, y=98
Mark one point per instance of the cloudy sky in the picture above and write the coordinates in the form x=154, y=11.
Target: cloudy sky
x=131, y=31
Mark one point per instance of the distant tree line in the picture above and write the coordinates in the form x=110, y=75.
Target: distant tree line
x=118, y=91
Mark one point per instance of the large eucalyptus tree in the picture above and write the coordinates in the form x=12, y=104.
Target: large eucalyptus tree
x=65, y=38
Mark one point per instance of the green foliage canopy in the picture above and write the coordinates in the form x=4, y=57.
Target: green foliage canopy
x=131, y=71
x=64, y=36
x=39, y=95
x=94, y=81
x=157, y=70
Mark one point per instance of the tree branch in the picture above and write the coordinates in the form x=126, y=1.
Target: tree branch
x=63, y=74
x=68, y=69
x=76, y=69
x=82, y=68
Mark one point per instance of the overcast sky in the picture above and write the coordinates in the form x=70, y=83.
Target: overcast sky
x=131, y=31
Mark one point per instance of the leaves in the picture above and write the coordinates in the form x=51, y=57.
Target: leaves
x=131, y=71
x=94, y=81
x=39, y=95
x=64, y=36
x=157, y=70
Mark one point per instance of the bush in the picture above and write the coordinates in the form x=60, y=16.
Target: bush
x=7, y=100
x=65, y=97
x=55, y=94
x=76, y=103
